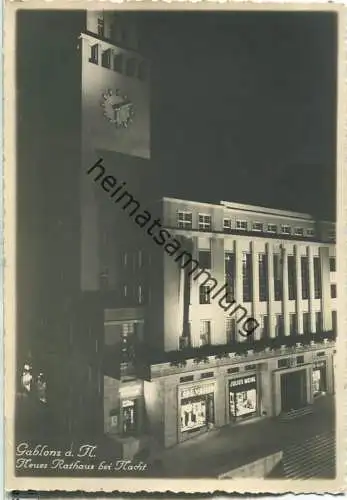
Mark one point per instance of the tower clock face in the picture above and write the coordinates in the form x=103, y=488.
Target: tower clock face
x=118, y=108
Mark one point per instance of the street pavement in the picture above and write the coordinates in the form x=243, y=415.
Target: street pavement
x=229, y=447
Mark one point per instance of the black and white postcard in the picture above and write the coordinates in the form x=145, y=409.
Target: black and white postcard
x=174, y=247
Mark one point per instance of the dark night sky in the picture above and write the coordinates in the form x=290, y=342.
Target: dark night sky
x=243, y=107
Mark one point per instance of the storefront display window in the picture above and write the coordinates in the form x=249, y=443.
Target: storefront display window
x=197, y=408
x=319, y=378
x=243, y=396
x=129, y=416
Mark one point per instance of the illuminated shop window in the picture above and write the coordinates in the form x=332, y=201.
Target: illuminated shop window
x=319, y=377
x=129, y=417
x=243, y=397
x=197, y=408
x=27, y=378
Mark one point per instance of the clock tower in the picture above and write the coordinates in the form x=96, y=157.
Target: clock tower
x=115, y=127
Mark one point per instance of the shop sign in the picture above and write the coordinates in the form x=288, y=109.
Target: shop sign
x=197, y=390
x=242, y=381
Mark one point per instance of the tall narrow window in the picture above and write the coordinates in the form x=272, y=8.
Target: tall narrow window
x=332, y=264
x=204, y=294
x=94, y=54
x=101, y=26
x=247, y=277
x=230, y=330
x=304, y=278
x=291, y=278
x=227, y=225
x=263, y=277
x=277, y=264
x=205, y=332
x=106, y=58
x=230, y=276
x=333, y=291
x=204, y=259
x=265, y=326
x=279, y=325
x=334, y=320
x=292, y=324
x=317, y=278
x=306, y=322
x=319, y=323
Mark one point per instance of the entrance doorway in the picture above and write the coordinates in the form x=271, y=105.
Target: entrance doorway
x=293, y=390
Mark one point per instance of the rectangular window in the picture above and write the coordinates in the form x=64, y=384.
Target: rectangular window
x=106, y=58
x=285, y=229
x=334, y=320
x=283, y=363
x=205, y=332
x=277, y=264
x=257, y=226
x=94, y=54
x=204, y=294
x=118, y=63
x=227, y=225
x=130, y=66
x=299, y=231
x=185, y=220
x=279, y=325
x=143, y=71
x=230, y=326
x=310, y=232
x=292, y=324
x=204, y=222
x=304, y=278
x=317, y=278
x=188, y=378
x=207, y=375
x=230, y=276
x=265, y=326
x=306, y=322
x=332, y=264
x=233, y=370
x=333, y=291
x=271, y=228
x=204, y=259
x=300, y=360
x=101, y=26
x=241, y=225
x=263, y=278
x=127, y=339
x=319, y=323
x=250, y=367
x=291, y=278
x=247, y=281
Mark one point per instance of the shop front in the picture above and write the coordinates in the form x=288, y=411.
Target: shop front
x=243, y=397
x=196, y=410
x=319, y=377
